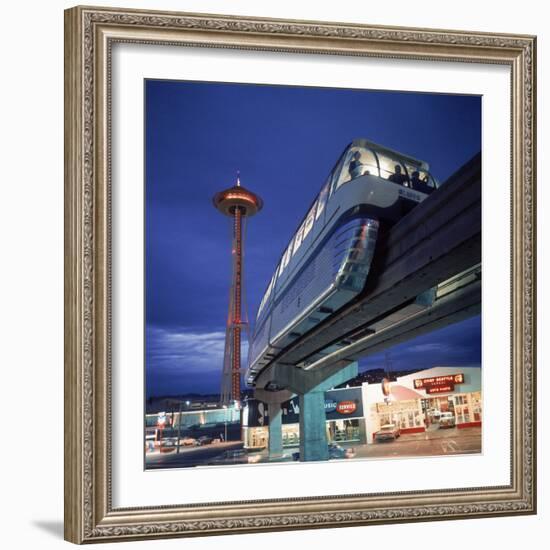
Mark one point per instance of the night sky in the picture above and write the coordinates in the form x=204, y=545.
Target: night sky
x=285, y=141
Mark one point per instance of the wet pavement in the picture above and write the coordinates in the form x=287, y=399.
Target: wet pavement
x=450, y=441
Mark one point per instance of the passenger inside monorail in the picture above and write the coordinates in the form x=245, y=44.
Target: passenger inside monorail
x=398, y=177
x=360, y=161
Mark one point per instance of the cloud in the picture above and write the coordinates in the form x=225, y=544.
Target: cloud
x=183, y=360
x=184, y=351
x=429, y=347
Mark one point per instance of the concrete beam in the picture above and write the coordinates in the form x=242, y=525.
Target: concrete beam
x=300, y=381
x=452, y=308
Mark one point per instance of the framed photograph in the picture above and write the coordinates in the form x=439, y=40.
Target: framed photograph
x=300, y=282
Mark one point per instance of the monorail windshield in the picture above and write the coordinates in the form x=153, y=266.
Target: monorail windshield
x=360, y=158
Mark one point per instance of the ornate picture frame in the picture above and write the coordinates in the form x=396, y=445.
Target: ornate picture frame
x=90, y=34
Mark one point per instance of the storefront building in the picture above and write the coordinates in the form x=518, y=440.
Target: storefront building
x=343, y=409
x=415, y=402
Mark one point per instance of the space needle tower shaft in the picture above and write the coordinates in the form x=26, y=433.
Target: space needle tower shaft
x=238, y=203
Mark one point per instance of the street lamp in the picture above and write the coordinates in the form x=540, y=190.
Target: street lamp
x=225, y=423
x=179, y=427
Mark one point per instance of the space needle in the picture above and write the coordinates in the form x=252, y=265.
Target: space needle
x=238, y=203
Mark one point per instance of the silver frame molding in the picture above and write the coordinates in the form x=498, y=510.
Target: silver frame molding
x=89, y=35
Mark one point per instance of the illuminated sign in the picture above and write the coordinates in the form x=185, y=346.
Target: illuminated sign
x=339, y=404
x=439, y=384
x=443, y=388
x=346, y=407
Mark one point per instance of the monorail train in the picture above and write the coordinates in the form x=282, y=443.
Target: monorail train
x=327, y=261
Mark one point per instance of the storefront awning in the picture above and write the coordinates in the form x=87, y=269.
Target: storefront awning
x=402, y=393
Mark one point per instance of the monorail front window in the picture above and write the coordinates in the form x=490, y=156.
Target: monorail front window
x=393, y=170
x=362, y=163
x=357, y=161
x=420, y=180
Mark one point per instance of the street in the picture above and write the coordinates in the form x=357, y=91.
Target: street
x=435, y=442
x=188, y=456
x=438, y=442
x=452, y=441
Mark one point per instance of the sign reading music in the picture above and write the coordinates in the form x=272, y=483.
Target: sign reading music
x=439, y=384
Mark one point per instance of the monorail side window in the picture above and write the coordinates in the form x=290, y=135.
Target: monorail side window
x=322, y=200
x=393, y=170
x=269, y=290
x=298, y=239
x=308, y=224
x=339, y=173
x=286, y=258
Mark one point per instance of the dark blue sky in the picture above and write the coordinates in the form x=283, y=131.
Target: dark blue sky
x=284, y=140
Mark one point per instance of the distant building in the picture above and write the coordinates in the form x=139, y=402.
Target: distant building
x=210, y=421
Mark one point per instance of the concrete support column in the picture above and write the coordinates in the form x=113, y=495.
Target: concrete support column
x=311, y=386
x=313, y=426
x=362, y=428
x=275, y=443
x=274, y=400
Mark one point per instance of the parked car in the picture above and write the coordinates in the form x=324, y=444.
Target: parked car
x=433, y=414
x=188, y=441
x=334, y=451
x=447, y=420
x=168, y=445
x=388, y=432
x=204, y=440
x=236, y=456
